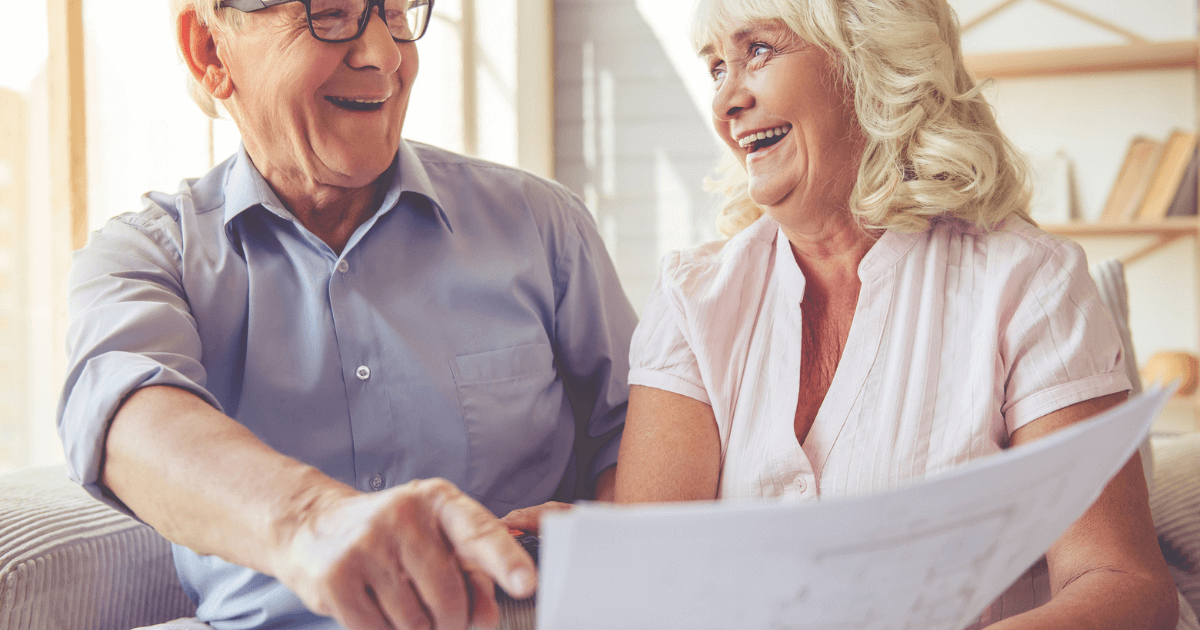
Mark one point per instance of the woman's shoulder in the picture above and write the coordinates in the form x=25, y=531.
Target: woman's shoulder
x=709, y=267
x=1014, y=245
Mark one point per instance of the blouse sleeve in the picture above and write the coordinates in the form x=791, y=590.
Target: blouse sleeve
x=660, y=354
x=1060, y=346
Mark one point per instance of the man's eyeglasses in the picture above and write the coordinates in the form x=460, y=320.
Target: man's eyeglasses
x=345, y=20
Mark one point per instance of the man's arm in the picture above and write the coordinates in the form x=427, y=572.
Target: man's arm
x=390, y=559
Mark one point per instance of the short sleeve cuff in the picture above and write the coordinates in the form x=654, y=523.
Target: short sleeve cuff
x=94, y=398
x=667, y=382
x=1050, y=400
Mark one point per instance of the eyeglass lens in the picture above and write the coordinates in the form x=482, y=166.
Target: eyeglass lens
x=340, y=20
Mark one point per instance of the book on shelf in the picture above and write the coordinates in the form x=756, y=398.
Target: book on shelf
x=1132, y=180
x=1184, y=204
x=1168, y=175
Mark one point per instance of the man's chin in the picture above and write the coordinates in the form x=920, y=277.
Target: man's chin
x=362, y=170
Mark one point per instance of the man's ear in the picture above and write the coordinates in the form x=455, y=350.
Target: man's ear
x=199, y=50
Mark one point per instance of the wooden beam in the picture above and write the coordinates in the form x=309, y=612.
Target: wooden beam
x=68, y=117
x=1162, y=241
x=1125, y=58
x=470, y=79
x=535, y=86
x=1182, y=226
x=14, y=297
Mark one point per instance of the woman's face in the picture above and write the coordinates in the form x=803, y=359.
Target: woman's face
x=782, y=110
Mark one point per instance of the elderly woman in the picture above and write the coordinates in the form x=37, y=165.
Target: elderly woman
x=322, y=369
x=883, y=310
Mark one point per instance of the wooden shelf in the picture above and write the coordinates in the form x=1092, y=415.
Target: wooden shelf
x=1170, y=226
x=1125, y=58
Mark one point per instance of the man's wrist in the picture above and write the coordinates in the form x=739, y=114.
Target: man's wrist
x=310, y=493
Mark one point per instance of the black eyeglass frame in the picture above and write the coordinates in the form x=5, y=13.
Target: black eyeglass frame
x=250, y=6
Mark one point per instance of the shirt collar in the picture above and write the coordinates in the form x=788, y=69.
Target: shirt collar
x=246, y=188
x=887, y=251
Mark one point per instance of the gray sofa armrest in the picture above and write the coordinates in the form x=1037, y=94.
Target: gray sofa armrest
x=69, y=562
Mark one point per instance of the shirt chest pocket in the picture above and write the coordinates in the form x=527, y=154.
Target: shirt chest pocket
x=511, y=401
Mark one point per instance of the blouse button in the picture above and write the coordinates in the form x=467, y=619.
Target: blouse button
x=363, y=372
x=800, y=484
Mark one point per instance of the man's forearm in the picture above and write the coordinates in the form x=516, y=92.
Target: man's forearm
x=205, y=481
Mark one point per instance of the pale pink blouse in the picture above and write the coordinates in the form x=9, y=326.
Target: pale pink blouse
x=959, y=338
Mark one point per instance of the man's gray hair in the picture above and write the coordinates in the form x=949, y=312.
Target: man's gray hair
x=228, y=20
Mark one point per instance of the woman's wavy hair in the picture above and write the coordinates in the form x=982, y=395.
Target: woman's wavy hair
x=932, y=144
x=229, y=20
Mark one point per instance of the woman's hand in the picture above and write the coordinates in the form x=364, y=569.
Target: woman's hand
x=529, y=519
x=421, y=555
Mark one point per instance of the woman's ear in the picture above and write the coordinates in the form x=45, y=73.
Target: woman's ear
x=199, y=50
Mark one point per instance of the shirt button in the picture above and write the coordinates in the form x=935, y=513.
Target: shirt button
x=363, y=372
x=343, y=266
x=376, y=482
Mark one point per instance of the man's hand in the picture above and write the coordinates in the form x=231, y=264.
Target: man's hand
x=421, y=555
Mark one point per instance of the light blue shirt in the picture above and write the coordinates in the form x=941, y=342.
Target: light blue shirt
x=442, y=342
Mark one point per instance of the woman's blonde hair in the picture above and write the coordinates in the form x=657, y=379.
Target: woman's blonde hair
x=932, y=144
x=229, y=20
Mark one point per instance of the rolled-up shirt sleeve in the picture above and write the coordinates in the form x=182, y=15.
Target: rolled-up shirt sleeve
x=1061, y=346
x=593, y=325
x=130, y=327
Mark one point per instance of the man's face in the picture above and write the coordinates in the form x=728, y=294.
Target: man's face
x=313, y=113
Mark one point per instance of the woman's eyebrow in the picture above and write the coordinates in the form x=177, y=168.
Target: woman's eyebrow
x=738, y=37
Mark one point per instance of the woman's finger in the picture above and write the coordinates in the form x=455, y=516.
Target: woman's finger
x=529, y=519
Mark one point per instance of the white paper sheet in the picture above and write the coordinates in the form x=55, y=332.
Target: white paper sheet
x=930, y=556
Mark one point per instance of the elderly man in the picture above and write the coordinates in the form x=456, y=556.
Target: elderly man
x=321, y=368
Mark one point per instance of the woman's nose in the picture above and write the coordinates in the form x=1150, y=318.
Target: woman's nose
x=731, y=98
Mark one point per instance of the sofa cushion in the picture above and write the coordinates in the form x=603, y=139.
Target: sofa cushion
x=1175, y=504
x=68, y=561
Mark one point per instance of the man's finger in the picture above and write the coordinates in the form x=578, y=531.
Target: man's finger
x=398, y=601
x=478, y=537
x=355, y=607
x=438, y=579
x=485, y=613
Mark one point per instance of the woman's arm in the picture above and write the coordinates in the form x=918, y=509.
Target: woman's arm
x=671, y=450
x=1106, y=571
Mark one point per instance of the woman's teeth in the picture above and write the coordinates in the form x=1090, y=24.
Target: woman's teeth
x=770, y=134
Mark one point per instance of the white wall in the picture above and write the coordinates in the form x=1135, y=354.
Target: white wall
x=634, y=136
x=631, y=138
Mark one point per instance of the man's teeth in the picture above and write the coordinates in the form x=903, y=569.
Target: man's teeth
x=361, y=100
x=763, y=135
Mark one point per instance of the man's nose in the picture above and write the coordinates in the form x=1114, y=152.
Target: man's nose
x=375, y=48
